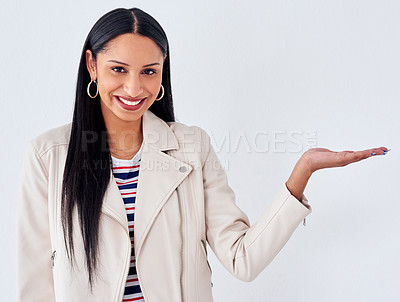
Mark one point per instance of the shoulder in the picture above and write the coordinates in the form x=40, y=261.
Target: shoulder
x=54, y=137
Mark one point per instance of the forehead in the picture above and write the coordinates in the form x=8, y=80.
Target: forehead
x=132, y=48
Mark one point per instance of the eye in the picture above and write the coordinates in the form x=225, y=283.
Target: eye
x=149, y=71
x=117, y=69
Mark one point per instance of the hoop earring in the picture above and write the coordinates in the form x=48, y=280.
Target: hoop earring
x=88, y=89
x=162, y=94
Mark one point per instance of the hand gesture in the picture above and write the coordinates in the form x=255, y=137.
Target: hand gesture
x=319, y=158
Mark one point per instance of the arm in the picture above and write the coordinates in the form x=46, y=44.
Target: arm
x=245, y=250
x=34, y=274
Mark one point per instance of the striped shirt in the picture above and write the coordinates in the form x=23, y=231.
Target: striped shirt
x=126, y=172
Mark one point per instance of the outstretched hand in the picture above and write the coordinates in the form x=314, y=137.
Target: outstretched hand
x=320, y=158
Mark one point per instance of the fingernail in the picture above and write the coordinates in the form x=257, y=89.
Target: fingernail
x=373, y=153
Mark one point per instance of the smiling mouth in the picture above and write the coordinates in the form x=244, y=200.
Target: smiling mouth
x=130, y=103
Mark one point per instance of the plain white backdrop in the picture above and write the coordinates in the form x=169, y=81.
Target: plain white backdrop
x=267, y=80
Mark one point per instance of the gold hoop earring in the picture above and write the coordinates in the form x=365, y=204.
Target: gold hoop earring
x=88, y=89
x=162, y=94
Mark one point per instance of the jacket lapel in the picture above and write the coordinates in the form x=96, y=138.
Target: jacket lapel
x=159, y=175
x=113, y=204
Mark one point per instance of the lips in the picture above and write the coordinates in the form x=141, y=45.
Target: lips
x=127, y=104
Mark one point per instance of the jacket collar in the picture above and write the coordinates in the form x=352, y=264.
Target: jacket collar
x=157, y=133
x=159, y=176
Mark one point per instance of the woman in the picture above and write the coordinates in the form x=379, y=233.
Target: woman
x=120, y=204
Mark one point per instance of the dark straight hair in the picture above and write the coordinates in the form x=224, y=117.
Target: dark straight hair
x=84, y=180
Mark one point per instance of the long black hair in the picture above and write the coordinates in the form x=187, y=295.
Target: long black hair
x=85, y=180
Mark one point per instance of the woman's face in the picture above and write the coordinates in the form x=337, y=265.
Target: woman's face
x=127, y=71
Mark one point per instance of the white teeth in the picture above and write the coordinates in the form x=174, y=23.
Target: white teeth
x=128, y=102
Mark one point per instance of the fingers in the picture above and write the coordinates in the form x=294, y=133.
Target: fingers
x=379, y=151
x=349, y=157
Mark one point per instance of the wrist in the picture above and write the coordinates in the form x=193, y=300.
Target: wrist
x=298, y=179
x=303, y=166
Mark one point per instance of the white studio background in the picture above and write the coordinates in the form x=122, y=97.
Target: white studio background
x=267, y=80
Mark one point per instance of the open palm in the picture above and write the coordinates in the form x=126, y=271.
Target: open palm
x=320, y=158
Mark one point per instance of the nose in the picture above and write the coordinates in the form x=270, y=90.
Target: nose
x=133, y=86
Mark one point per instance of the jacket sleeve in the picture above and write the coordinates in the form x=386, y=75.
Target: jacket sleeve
x=34, y=274
x=245, y=250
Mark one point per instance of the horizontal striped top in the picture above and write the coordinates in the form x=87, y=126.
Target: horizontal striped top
x=126, y=173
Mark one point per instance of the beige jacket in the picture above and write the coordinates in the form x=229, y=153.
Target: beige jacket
x=183, y=203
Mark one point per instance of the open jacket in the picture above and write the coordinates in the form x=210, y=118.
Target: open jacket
x=183, y=203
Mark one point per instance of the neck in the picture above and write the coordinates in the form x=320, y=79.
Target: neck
x=124, y=138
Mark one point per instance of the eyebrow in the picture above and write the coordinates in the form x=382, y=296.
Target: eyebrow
x=122, y=63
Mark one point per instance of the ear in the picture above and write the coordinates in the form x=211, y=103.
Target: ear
x=165, y=57
x=91, y=64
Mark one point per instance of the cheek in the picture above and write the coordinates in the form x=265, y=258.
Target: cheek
x=155, y=88
x=107, y=84
x=155, y=85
